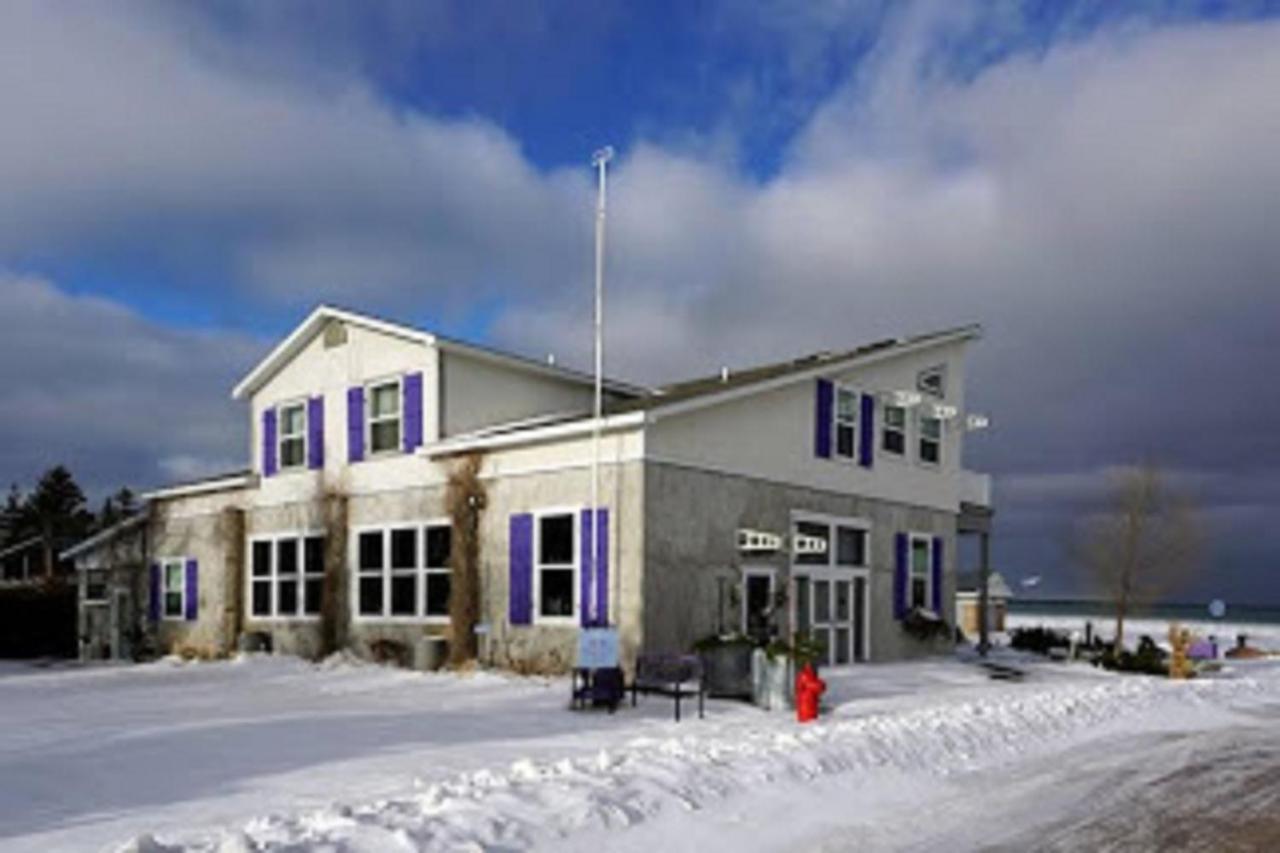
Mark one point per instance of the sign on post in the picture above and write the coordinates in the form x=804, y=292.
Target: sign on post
x=598, y=648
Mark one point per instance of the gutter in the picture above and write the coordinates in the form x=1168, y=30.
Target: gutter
x=238, y=481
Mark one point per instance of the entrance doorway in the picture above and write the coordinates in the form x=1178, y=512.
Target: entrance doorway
x=833, y=608
x=757, y=603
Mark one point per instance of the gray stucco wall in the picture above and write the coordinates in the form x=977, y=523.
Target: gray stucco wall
x=691, y=520
x=537, y=648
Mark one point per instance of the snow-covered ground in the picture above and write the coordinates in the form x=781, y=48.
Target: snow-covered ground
x=277, y=753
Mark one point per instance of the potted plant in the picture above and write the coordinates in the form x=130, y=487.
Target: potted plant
x=774, y=669
x=925, y=625
x=726, y=664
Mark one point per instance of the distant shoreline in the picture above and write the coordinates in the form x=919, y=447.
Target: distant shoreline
x=1101, y=609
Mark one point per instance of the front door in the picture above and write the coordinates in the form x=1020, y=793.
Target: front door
x=757, y=604
x=119, y=628
x=831, y=606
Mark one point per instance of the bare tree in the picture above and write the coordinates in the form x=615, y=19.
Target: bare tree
x=1144, y=542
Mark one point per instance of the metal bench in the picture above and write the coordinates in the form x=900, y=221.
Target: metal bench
x=677, y=676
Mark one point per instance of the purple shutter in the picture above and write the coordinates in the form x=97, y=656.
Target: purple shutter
x=355, y=424
x=153, y=592
x=822, y=419
x=586, y=570
x=937, y=575
x=315, y=433
x=269, y=442
x=520, y=567
x=900, y=576
x=602, y=568
x=193, y=591
x=866, y=430
x=412, y=412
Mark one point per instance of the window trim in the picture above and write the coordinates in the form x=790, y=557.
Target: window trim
x=273, y=579
x=105, y=598
x=419, y=525
x=165, y=563
x=300, y=403
x=914, y=536
x=833, y=522
x=575, y=513
x=905, y=429
x=836, y=422
x=921, y=417
x=398, y=381
x=835, y=572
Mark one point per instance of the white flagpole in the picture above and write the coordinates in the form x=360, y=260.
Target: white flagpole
x=600, y=159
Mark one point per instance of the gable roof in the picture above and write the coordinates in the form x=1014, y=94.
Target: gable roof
x=708, y=390
x=104, y=536
x=288, y=348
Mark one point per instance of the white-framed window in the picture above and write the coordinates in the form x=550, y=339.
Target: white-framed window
x=173, y=588
x=831, y=585
x=292, y=439
x=555, y=569
x=930, y=449
x=919, y=571
x=402, y=571
x=846, y=422
x=384, y=417
x=893, y=435
x=95, y=586
x=286, y=576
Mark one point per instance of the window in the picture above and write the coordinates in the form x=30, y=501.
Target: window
x=930, y=440
x=556, y=570
x=173, y=579
x=286, y=576
x=846, y=422
x=921, y=573
x=894, y=435
x=813, y=543
x=851, y=546
x=384, y=417
x=402, y=572
x=293, y=435
x=95, y=586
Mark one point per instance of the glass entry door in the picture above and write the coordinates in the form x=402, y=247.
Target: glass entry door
x=832, y=608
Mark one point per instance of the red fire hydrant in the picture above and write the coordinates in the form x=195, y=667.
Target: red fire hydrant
x=809, y=689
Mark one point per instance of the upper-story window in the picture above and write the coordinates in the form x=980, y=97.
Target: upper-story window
x=384, y=417
x=893, y=436
x=846, y=427
x=930, y=440
x=293, y=435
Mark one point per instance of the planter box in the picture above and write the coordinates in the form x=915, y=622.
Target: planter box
x=727, y=670
x=772, y=681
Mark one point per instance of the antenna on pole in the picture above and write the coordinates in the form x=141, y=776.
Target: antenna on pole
x=600, y=160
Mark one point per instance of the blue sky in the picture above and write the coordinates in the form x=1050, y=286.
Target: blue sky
x=1095, y=182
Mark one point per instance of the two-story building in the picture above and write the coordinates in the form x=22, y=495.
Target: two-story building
x=822, y=495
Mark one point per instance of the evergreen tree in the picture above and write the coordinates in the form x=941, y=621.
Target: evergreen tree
x=12, y=518
x=116, y=508
x=56, y=512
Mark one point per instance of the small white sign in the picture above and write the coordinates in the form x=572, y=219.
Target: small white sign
x=598, y=648
x=481, y=629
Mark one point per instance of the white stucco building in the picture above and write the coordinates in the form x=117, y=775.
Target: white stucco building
x=822, y=495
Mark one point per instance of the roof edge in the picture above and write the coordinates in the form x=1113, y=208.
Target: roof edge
x=903, y=347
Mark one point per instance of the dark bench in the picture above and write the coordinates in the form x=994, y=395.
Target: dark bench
x=677, y=676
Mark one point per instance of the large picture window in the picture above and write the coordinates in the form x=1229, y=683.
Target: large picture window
x=556, y=569
x=402, y=571
x=286, y=576
x=293, y=435
x=384, y=417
